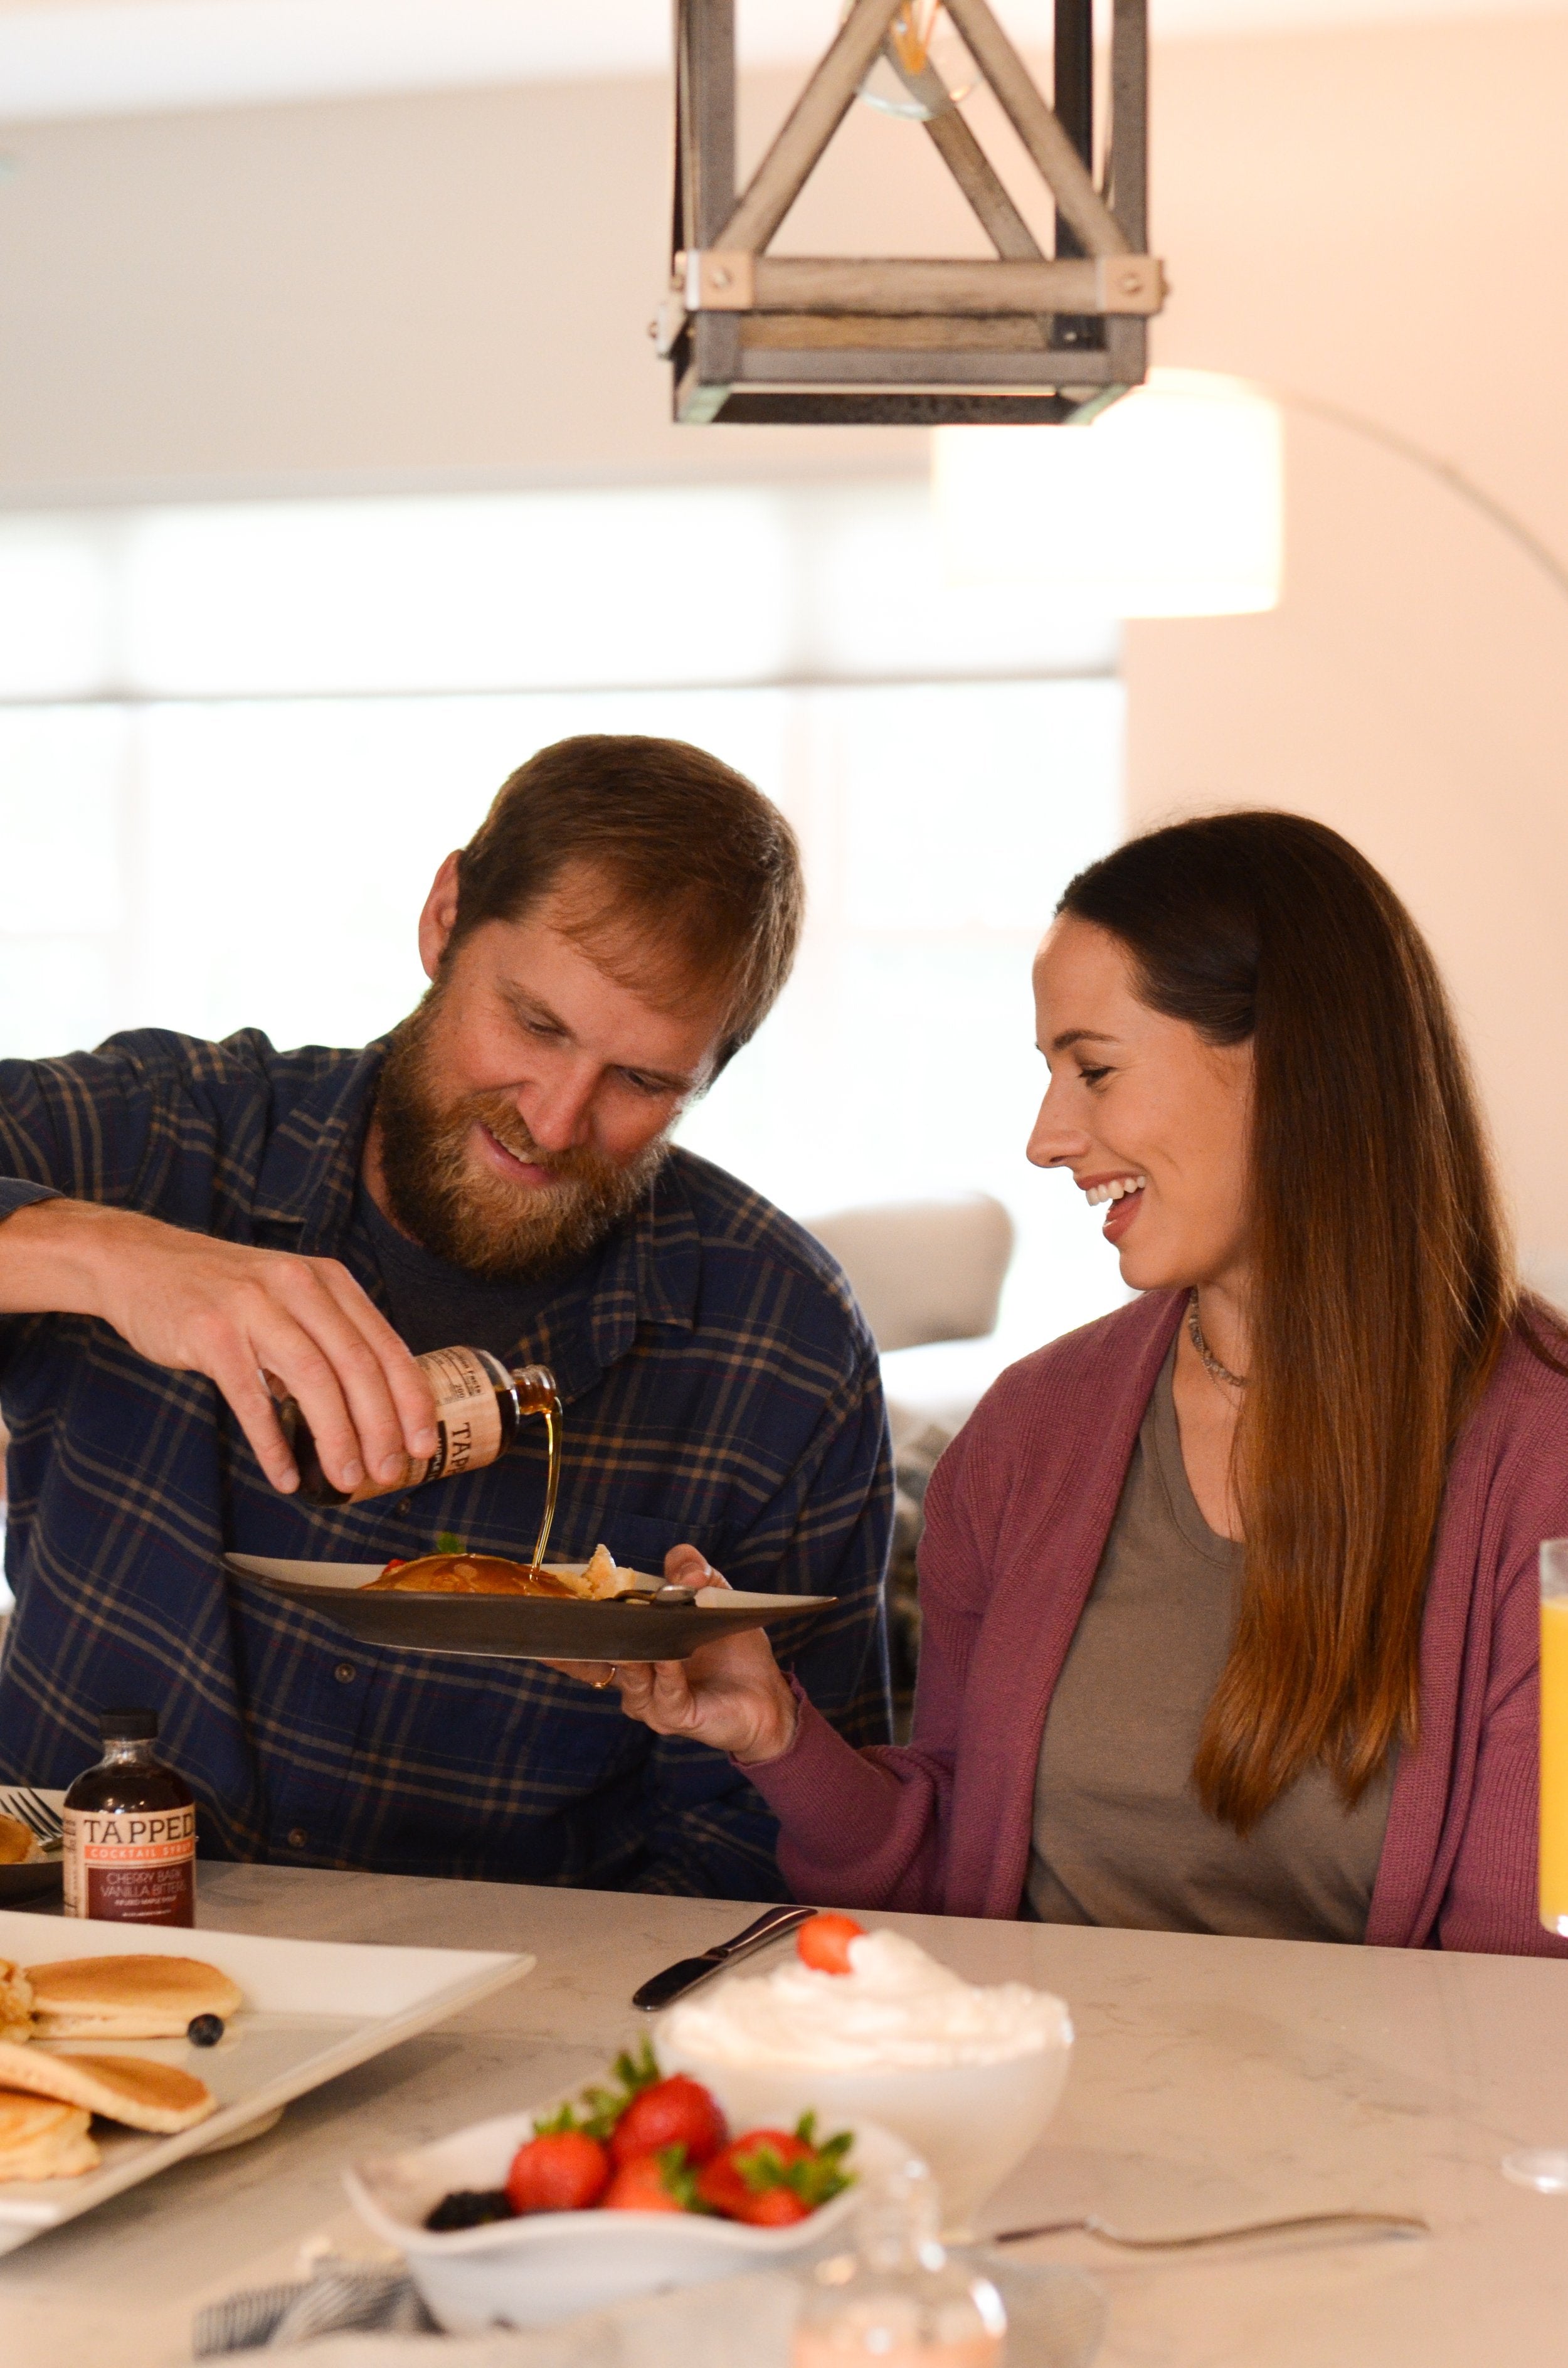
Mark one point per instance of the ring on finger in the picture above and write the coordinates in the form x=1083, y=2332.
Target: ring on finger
x=600, y=1684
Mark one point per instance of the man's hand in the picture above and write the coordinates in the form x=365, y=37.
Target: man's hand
x=204, y=1307
x=731, y=1695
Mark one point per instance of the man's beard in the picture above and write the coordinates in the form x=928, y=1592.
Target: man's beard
x=467, y=1214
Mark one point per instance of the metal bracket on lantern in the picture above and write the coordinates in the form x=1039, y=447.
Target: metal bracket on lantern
x=754, y=336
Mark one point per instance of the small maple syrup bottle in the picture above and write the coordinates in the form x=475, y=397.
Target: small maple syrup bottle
x=478, y=1408
x=130, y=1839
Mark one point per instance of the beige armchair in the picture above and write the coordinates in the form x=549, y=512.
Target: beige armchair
x=924, y=1270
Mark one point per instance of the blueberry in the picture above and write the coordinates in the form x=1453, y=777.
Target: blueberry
x=205, y=2029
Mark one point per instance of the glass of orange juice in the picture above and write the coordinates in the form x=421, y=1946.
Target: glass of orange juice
x=1546, y=2167
x=1554, y=1735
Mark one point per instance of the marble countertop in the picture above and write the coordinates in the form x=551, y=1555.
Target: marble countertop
x=1214, y=2080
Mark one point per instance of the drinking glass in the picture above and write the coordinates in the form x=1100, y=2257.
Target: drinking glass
x=1546, y=2167
x=1554, y=1735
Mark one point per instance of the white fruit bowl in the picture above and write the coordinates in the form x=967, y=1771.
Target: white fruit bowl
x=551, y=2265
x=971, y=2122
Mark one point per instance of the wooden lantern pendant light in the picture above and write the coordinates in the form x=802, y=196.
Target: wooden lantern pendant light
x=754, y=336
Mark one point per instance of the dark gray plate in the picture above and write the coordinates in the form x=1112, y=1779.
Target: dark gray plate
x=519, y=1627
x=34, y=1879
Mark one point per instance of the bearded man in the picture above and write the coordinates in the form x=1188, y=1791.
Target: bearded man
x=189, y=1225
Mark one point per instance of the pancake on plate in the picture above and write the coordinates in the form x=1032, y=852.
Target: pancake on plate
x=128, y=2089
x=42, y=2138
x=126, y=1998
x=484, y=1573
x=599, y=1577
x=16, y=2002
x=18, y=1843
x=468, y=1573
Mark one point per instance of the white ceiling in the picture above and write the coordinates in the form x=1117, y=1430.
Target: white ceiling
x=105, y=57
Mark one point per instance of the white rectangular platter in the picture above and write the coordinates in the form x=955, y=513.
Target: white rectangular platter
x=313, y=2008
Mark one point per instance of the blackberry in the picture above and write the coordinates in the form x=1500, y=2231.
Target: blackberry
x=469, y=2207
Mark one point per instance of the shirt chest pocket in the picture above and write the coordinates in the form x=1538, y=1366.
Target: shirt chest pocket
x=639, y=1543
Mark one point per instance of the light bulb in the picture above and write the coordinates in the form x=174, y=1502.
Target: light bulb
x=927, y=47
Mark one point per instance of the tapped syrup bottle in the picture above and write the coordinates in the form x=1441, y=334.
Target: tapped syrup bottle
x=479, y=1406
x=130, y=1831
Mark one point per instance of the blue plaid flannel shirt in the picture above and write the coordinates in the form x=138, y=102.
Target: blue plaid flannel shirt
x=720, y=1385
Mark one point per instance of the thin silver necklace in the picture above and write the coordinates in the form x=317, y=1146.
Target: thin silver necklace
x=1212, y=1365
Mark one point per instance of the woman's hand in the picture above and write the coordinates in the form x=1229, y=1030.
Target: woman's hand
x=731, y=1695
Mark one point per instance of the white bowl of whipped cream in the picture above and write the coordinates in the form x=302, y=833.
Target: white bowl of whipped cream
x=969, y=2077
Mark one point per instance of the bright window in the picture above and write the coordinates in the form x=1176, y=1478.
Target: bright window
x=236, y=741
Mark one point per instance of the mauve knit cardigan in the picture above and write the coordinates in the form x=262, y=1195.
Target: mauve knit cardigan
x=1018, y=1514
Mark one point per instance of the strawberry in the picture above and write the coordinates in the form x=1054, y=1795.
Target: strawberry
x=722, y=2184
x=658, y=2182
x=557, y=2170
x=823, y=1943
x=600, y=2109
x=677, y=2111
x=773, y=2207
x=770, y=2179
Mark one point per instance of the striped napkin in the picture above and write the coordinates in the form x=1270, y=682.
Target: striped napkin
x=356, y=2315
x=367, y=2315
x=338, y=2295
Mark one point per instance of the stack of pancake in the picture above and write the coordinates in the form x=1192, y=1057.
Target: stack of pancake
x=488, y=1573
x=41, y=2138
x=48, y=2101
x=126, y=1998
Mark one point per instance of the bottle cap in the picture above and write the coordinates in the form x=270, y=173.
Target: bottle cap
x=127, y=1725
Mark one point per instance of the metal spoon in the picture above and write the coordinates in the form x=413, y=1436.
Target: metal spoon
x=1395, y=2223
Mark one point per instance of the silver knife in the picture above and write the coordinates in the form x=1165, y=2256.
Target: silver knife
x=675, y=1980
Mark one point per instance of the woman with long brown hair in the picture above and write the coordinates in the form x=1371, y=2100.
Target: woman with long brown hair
x=1228, y=1599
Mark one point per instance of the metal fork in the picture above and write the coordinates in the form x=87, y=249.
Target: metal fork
x=1394, y=2223
x=34, y=1811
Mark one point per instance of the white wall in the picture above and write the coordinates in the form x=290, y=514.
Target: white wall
x=450, y=290
x=1366, y=217
x=454, y=289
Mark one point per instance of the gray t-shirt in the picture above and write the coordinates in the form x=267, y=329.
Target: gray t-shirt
x=1119, y=1835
